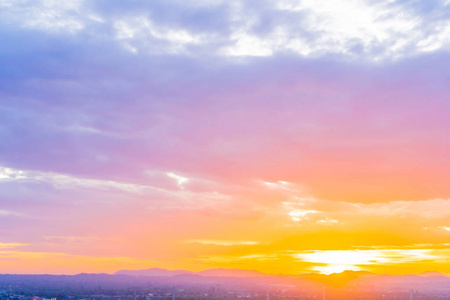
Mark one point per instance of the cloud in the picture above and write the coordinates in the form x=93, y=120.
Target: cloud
x=285, y=186
x=45, y=15
x=298, y=215
x=431, y=209
x=8, y=213
x=63, y=180
x=371, y=30
x=171, y=199
x=11, y=245
x=327, y=221
x=179, y=179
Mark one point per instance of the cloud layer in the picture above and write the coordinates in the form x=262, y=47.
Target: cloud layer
x=224, y=131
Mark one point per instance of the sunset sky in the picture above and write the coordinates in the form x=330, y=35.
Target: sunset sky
x=288, y=136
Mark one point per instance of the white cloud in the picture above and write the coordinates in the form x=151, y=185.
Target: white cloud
x=300, y=214
x=161, y=198
x=365, y=29
x=373, y=30
x=11, y=174
x=47, y=15
x=181, y=181
x=339, y=25
x=63, y=181
x=248, y=45
x=327, y=221
x=138, y=31
x=280, y=185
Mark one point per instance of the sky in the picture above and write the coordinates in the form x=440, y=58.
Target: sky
x=288, y=136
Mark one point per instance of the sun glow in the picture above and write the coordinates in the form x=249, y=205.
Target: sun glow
x=340, y=260
x=330, y=269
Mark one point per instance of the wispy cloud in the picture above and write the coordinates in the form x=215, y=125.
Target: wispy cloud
x=298, y=215
x=8, y=213
x=174, y=199
x=11, y=245
x=181, y=181
x=64, y=180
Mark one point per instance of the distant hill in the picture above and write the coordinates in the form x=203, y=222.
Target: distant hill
x=336, y=279
x=352, y=283
x=209, y=273
x=339, y=279
x=152, y=272
x=430, y=282
x=431, y=273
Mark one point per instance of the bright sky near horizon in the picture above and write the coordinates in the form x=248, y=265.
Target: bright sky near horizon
x=286, y=136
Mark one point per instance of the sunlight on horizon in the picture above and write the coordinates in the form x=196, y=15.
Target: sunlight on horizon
x=336, y=261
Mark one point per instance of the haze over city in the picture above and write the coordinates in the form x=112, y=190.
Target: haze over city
x=274, y=137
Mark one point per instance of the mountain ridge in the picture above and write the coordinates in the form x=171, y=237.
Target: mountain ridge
x=235, y=272
x=215, y=272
